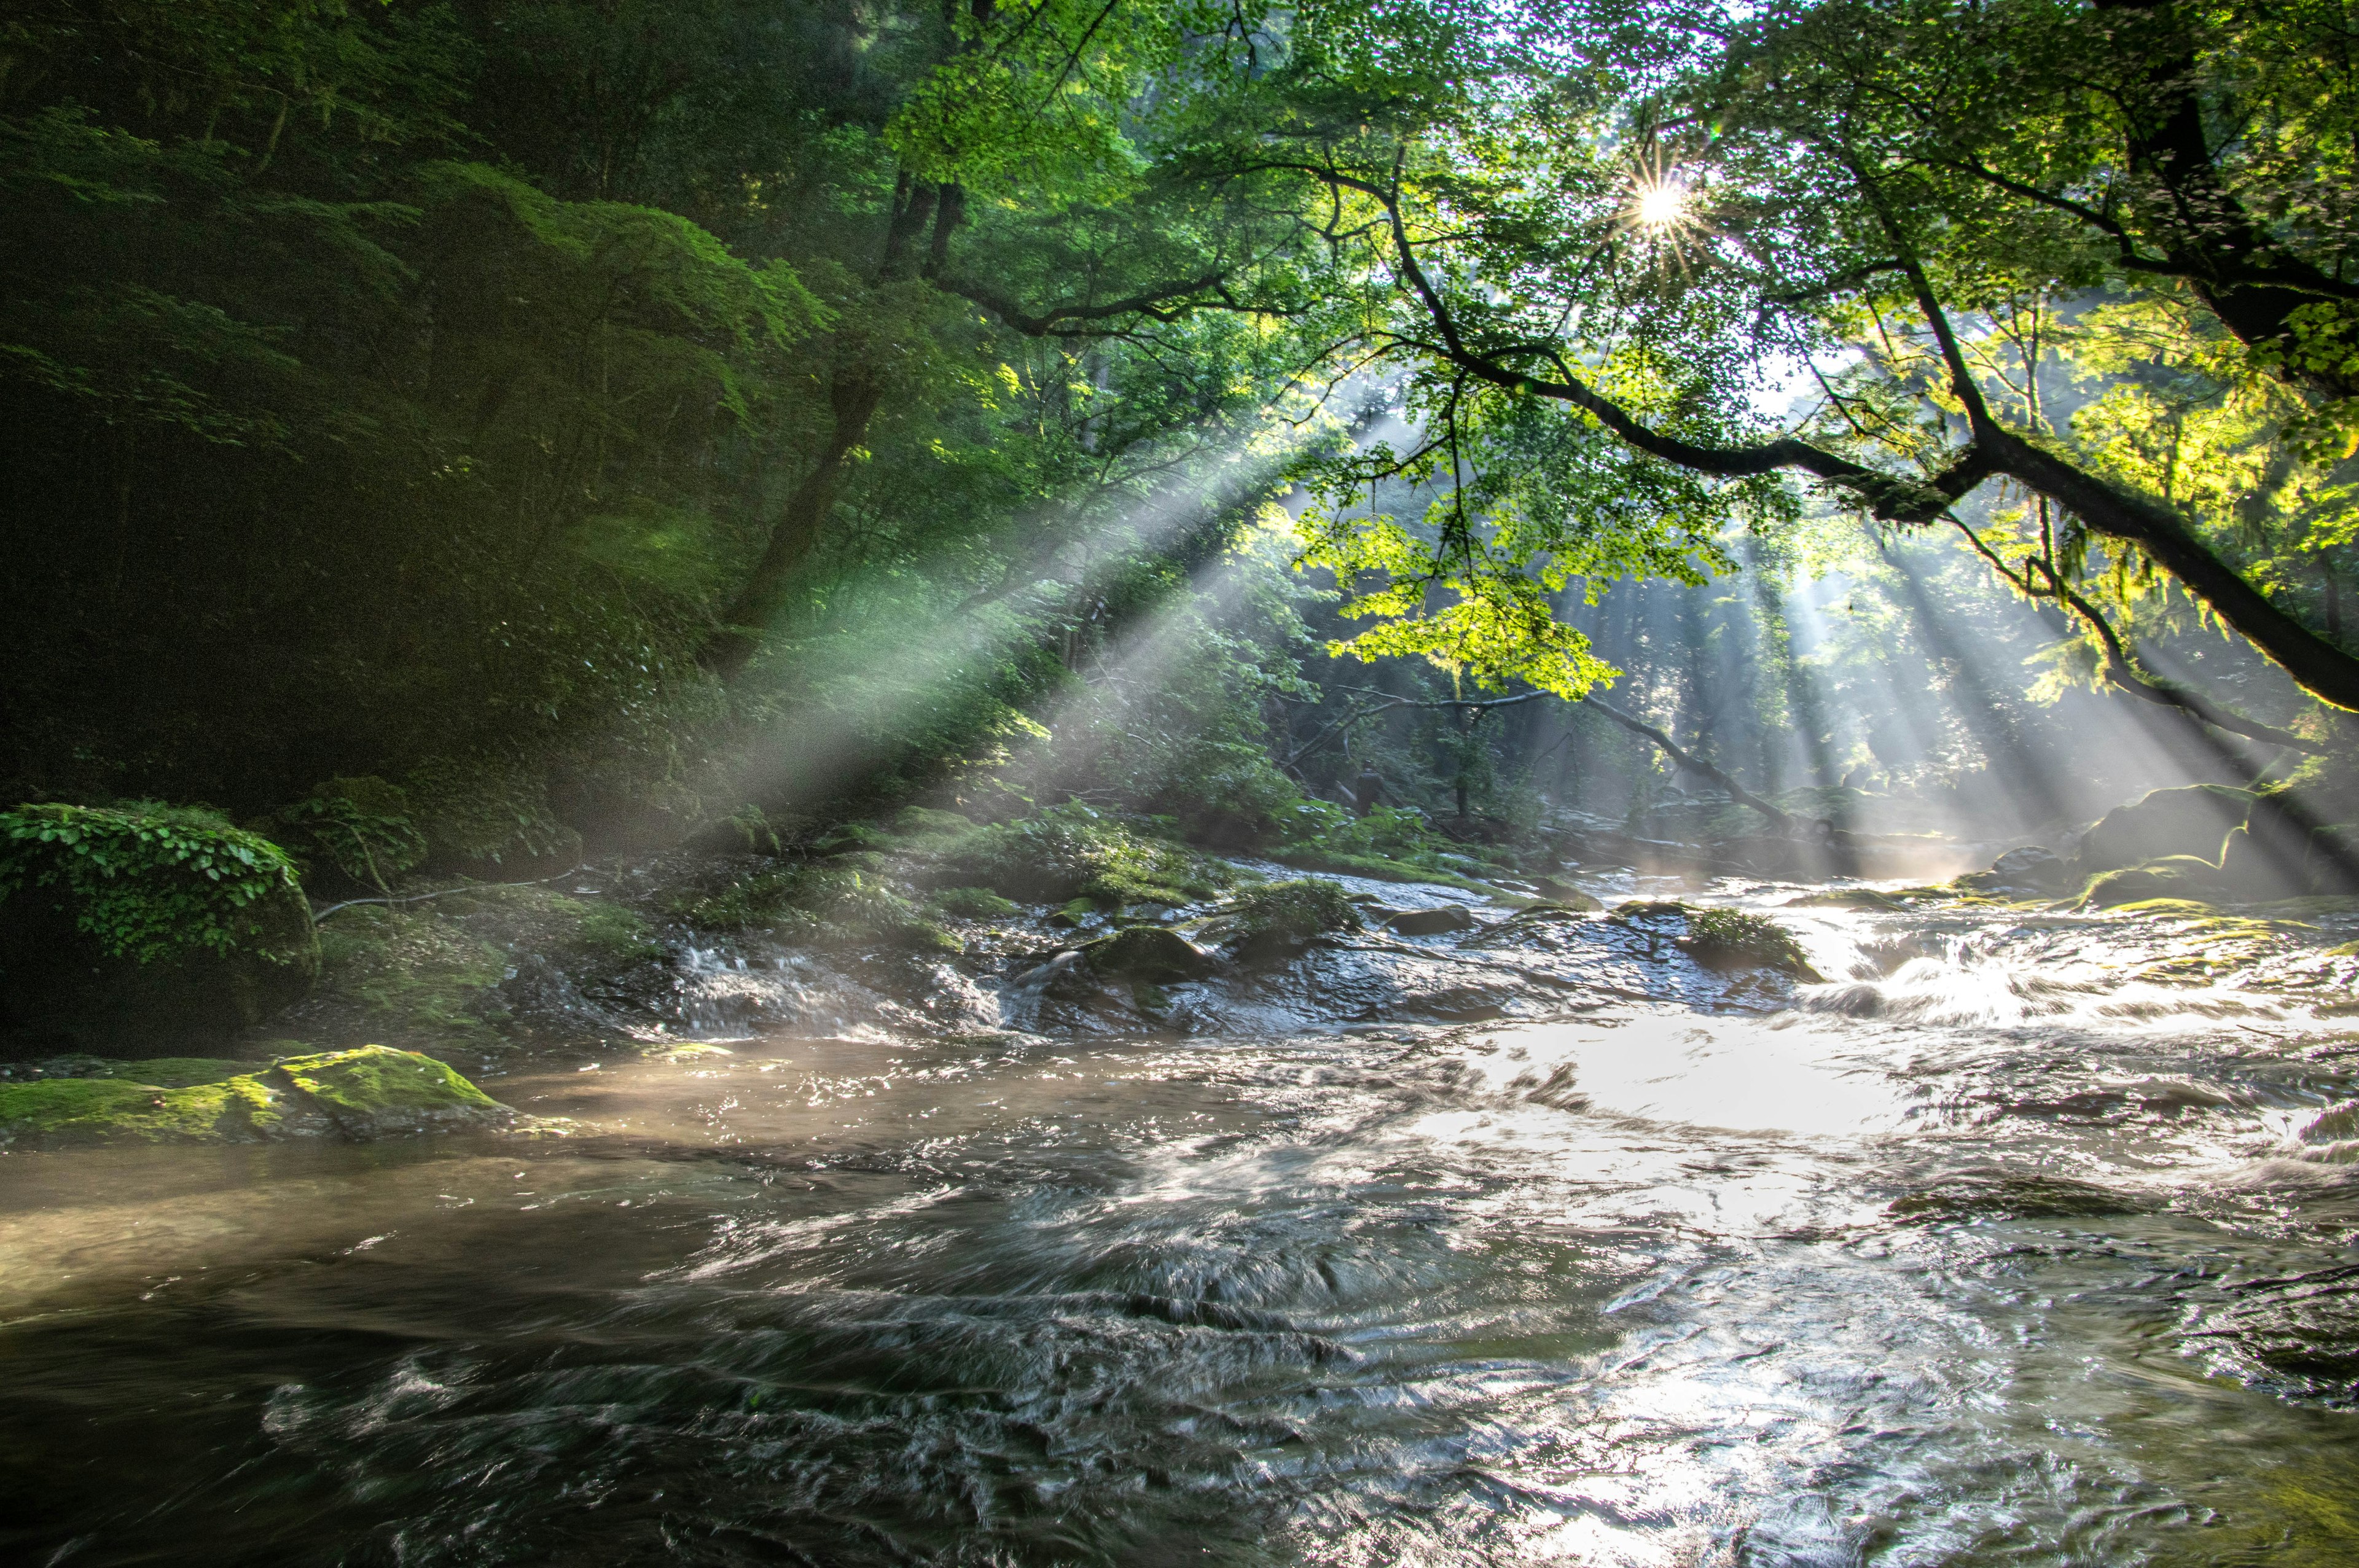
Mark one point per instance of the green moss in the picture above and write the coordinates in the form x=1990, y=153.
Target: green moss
x=921, y=828
x=1737, y=938
x=1845, y=898
x=91, y=1110
x=485, y=809
x=1149, y=953
x=1292, y=912
x=820, y=902
x=974, y=904
x=374, y=1081
x=849, y=836
x=1376, y=867
x=2180, y=877
x=416, y=976
x=1071, y=852
x=359, y=1093
x=167, y=1072
x=613, y=935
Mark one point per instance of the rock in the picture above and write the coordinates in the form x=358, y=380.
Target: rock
x=1963, y=1196
x=2256, y=868
x=60, y=989
x=1565, y=894
x=2174, y=876
x=2332, y=863
x=1738, y=939
x=371, y=1092
x=1432, y=922
x=2195, y=820
x=2029, y=869
x=1152, y=953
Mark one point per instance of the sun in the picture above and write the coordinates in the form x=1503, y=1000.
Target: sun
x=1661, y=204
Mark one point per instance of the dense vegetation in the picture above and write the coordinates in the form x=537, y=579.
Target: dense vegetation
x=444, y=434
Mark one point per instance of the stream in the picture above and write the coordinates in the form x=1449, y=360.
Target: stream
x=2027, y=1240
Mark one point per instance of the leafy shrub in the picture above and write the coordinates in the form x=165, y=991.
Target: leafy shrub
x=361, y=826
x=152, y=882
x=1290, y=913
x=485, y=809
x=1071, y=852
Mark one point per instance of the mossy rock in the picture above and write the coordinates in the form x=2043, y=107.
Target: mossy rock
x=1283, y=916
x=1845, y=898
x=2165, y=824
x=837, y=902
x=371, y=1092
x=2172, y=877
x=413, y=977
x=1739, y=939
x=1964, y=1196
x=59, y=985
x=1073, y=851
x=1556, y=889
x=974, y=904
x=1376, y=867
x=1155, y=953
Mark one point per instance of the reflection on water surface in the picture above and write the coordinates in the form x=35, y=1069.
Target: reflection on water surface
x=2019, y=1242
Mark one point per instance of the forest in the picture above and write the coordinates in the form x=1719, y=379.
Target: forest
x=1083, y=781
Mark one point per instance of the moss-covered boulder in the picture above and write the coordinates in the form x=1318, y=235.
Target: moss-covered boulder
x=1288, y=915
x=357, y=1095
x=1739, y=939
x=1073, y=851
x=143, y=928
x=1558, y=891
x=2166, y=823
x=1156, y=954
x=2174, y=876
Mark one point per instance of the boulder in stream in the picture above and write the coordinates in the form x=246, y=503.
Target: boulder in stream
x=1431, y=921
x=2166, y=823
x=2031, y=869
x=358, y=1095
x=1151, y=952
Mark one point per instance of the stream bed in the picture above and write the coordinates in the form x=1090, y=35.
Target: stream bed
x=2027, y=1239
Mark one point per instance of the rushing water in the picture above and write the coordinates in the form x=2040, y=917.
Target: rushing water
x=2019, y=1246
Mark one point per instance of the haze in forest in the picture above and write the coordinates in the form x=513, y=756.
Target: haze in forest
x=1186, y=598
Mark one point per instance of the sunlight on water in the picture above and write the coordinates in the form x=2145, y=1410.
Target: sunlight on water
x=1978, y=1275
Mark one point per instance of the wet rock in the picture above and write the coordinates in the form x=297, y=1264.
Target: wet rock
x=2031, y=869
x=2175, y=877
x=371, y=1092
x=1150, y=953
x=1889, y=956
x=1285, y=917
x=1737, y=939
x=1563, y=892
x=2301, y=1329
x=2167, y=823
x=1963, y=1196
x=59, y=988
x=1432, y=922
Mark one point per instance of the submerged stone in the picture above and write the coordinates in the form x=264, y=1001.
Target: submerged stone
x=1963, y=1196
x=371, y=1092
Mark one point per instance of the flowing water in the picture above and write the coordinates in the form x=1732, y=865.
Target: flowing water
x=2030, y=1242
